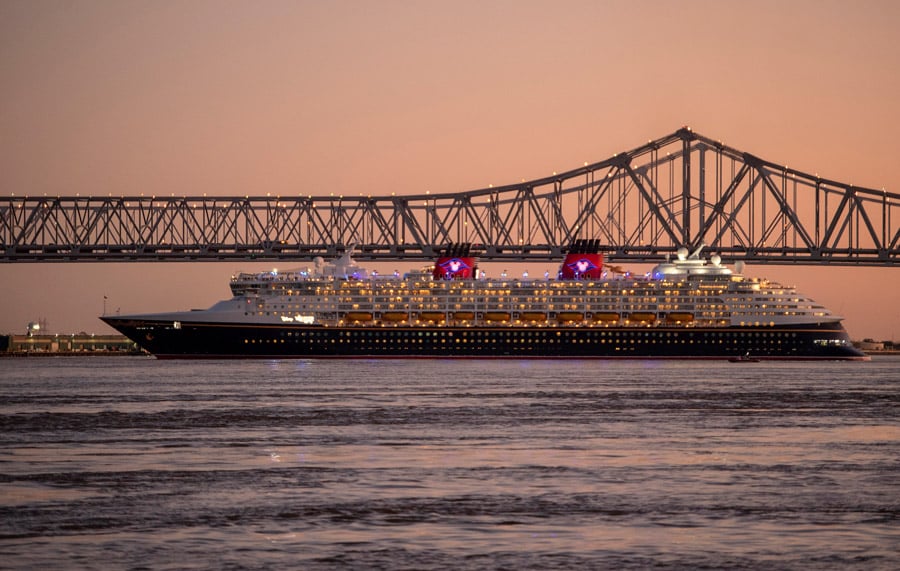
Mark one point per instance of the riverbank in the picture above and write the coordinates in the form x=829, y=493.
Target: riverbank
x=39, y=354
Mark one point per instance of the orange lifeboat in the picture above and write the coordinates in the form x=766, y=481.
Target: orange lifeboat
x=534, y=316
x=643, y=316
x=680, y=317
x=606, y=317
x=358, y=316
x=496, y=316
x=432, y=316
x=569, y=316
x=394, y=316
x=464, y=315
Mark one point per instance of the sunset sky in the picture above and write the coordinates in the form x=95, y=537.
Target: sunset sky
x=233, y=98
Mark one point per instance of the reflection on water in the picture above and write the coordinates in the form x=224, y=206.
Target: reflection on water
x=133, y=462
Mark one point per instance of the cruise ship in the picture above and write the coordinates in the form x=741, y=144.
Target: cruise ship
x=689, y=307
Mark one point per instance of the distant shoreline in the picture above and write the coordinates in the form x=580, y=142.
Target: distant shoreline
x=27, y=354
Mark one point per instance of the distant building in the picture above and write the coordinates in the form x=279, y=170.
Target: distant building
x=76, y=343
x=871, y=345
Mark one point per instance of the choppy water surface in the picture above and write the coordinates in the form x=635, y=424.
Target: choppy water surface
x=138, y=463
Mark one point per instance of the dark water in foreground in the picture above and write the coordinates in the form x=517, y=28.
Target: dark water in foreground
x=449, y=464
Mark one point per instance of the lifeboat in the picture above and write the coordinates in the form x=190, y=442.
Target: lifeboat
x=464, y=315
x=358, y=316
x=433, y=316
x=643, y=316
x=569, y=316
x=394, y=316
x=533, y=316
x=496, y=316
x=606, y=317
x=680, y=317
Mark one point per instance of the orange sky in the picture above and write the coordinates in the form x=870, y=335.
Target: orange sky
x=222, y=97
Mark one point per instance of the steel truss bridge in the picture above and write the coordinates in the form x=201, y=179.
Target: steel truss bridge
x=642, y=205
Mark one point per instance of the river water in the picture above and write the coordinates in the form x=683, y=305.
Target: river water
x=135, y=463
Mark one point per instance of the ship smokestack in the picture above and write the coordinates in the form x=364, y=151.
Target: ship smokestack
x=583, y=261
x=455, y=263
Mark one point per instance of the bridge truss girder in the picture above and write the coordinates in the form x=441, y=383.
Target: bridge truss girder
x=680, y=190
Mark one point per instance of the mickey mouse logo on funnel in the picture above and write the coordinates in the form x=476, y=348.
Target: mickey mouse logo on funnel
x=583, y=261
x=455, y=263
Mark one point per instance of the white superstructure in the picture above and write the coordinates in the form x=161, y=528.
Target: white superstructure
x=687, y=292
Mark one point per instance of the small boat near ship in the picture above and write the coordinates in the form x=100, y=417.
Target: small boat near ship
x=686, y=308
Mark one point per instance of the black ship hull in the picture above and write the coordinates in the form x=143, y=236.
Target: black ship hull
x=198, y=340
